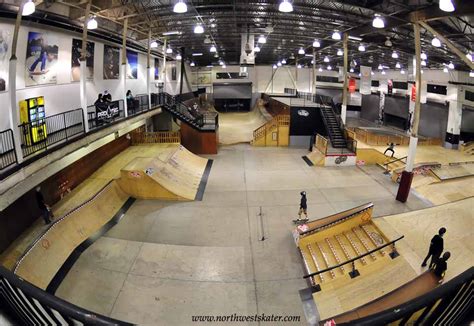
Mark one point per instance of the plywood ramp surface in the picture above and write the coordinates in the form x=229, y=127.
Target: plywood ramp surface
x=316, y=157
x=43, y=260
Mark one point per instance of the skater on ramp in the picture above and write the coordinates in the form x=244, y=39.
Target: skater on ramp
x=303, y=209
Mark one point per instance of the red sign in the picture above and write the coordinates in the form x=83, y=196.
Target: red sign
x=352, y=85
x=413, y=93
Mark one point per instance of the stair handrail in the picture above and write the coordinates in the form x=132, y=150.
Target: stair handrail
x=391, y=243
x=398, y=159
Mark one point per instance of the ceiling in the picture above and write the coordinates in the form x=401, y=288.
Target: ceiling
x=225, y=21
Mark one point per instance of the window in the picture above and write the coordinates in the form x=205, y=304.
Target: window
x=327, y=79
x=375, y=83
x=437, y=89
x=229, y=75
x=400, y=85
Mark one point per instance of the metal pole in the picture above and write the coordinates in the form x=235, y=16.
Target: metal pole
x=181, y=75
x=149, y=71
x=124, y=66
x=164, y=66
x=313, y=82
x=344, y=89
x=83, y=66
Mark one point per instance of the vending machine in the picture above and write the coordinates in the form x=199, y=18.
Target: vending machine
x=33, y=119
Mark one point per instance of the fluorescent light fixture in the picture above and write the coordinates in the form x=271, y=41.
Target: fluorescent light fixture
x=262, y=39
x=326, y=59
x=154, y=44
x=361, y=48
x=355, y=38
x=336, y=36
x=192, y=64
x=285, y=6
x=198, y=29
x=279, y=64
x=299, y=66
x=92, y=23
x=424, y=56
x=351, y=70
x=446, y=5
x=209, y=66
x=378, y=22
x=171, y=33
x=28, y=8
x=394, y=55
x=398, y=65
x=423, y=63
x=180, y=7
x=380, y=67
x=179, y=57
x=316, y=44
x=436, y=42
x=301, y=51
x=213, y=49
x=469, y=56
x=339, y=52
x=169, y=50
x=445, y=69
x=308, y=55
x=283, y=61
x=383, y=72
x=451, y=65
x=197, y=54
x=274, y=66
x=329, y=68
x=402, y=72
x=256, y=48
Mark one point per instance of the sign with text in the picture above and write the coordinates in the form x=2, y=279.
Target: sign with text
x=365, y=80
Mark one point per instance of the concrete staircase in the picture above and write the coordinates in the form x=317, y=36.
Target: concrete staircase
x=336, y=134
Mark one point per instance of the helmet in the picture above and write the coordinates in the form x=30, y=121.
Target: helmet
x=303, y=193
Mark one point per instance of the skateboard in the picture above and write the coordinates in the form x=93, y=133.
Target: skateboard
x=38, y=73
x=302, y=221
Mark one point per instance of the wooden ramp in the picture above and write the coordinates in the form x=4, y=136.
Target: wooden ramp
x=454, y=170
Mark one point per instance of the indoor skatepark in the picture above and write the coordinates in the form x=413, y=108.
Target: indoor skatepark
x=166, y=211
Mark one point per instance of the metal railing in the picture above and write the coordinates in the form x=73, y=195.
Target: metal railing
x=7, y=149
x=291, y=91
x=138, y=104
x=41, y=134
x=33, y=306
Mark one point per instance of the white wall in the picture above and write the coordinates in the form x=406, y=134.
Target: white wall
x=64, y=95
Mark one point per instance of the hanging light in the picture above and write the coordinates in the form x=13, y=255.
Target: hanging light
x=221, y=63
x=213, y=25
x=216, y=55
x=383, y=72
x=279, y=64
x=423, y=63
x=28, y=8
x=299, y=66
x=326, y=59
x=320, y=69
x=361, y=48
x=256, y=48
x=394, y=55
x=274, y=66
x=198, y=29
x=372, y=73
x=224, y=66
x=179, y=57
x=398, y=65
x=285, y=6
x=445, y=69
x=192, y=64
x=402, y=72
x=283, y=61
x=351, y=70
x=329, y=68
x=424, y=56
x=213, y=49
x=446, y=5
x=262, y=39
x=316, y=44
x=380, y=67
x=339, y=52
x=312, y=62
x=451, y=65
x=336, y=36
x=154, y=44
x=180, y=7
x=355, y=62
x=169, y=50
x=301, y=51
x=435, y=42
x=469, y=56
x=92, y=23
x=378, y=22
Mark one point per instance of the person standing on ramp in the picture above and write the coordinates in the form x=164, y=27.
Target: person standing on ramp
x=303, y=207
x=436, y=248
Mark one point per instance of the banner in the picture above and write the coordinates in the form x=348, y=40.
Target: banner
x=381, y=107
x=157, y=69
x=111, y=62
x=352, y=85
x=41, y=59
x=5, y=40
x=389, y=87
x=365, y=80
x=76, y=51
x=132, y=64
x=413, y=93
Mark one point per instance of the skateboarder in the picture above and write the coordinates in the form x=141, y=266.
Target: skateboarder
x=440, y=267
x=303, y=206
x=390, y=148
x=436, y=248
x=45, y=210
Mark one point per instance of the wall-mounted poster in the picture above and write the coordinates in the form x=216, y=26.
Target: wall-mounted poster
x=132, y=64
x=5, y=37
x=173, y=73
x=76, y=52
x=41, y=59
x=157, y=68
x=111, y=62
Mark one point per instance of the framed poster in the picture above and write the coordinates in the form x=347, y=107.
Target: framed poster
x=132, y=64
x=76, y=52
x=111, y=62
x=173, y=73
x=41, y=59
x=5, y=39
x=157, y=69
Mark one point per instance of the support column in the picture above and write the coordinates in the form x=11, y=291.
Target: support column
x=453, y=130
x=164, y=66
x=123, y=67
x=149, y=71
x=83, y=67
x=182, y=72
x=313, y=81
x=13, y=116
x=296, y=74
x=344, y=87
x=407, y=175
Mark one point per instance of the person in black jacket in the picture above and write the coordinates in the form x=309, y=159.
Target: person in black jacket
x=42, y=206
x=303, y=206
x=440, y=267
x=436, y=248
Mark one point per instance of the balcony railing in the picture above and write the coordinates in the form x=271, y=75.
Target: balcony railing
x=7, y=149
x=101, y=115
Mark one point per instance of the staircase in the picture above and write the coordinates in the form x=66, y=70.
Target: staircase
x=262, y=136
x=342, y=247
x=336, y=134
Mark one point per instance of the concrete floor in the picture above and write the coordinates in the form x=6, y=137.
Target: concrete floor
x=167, y=261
